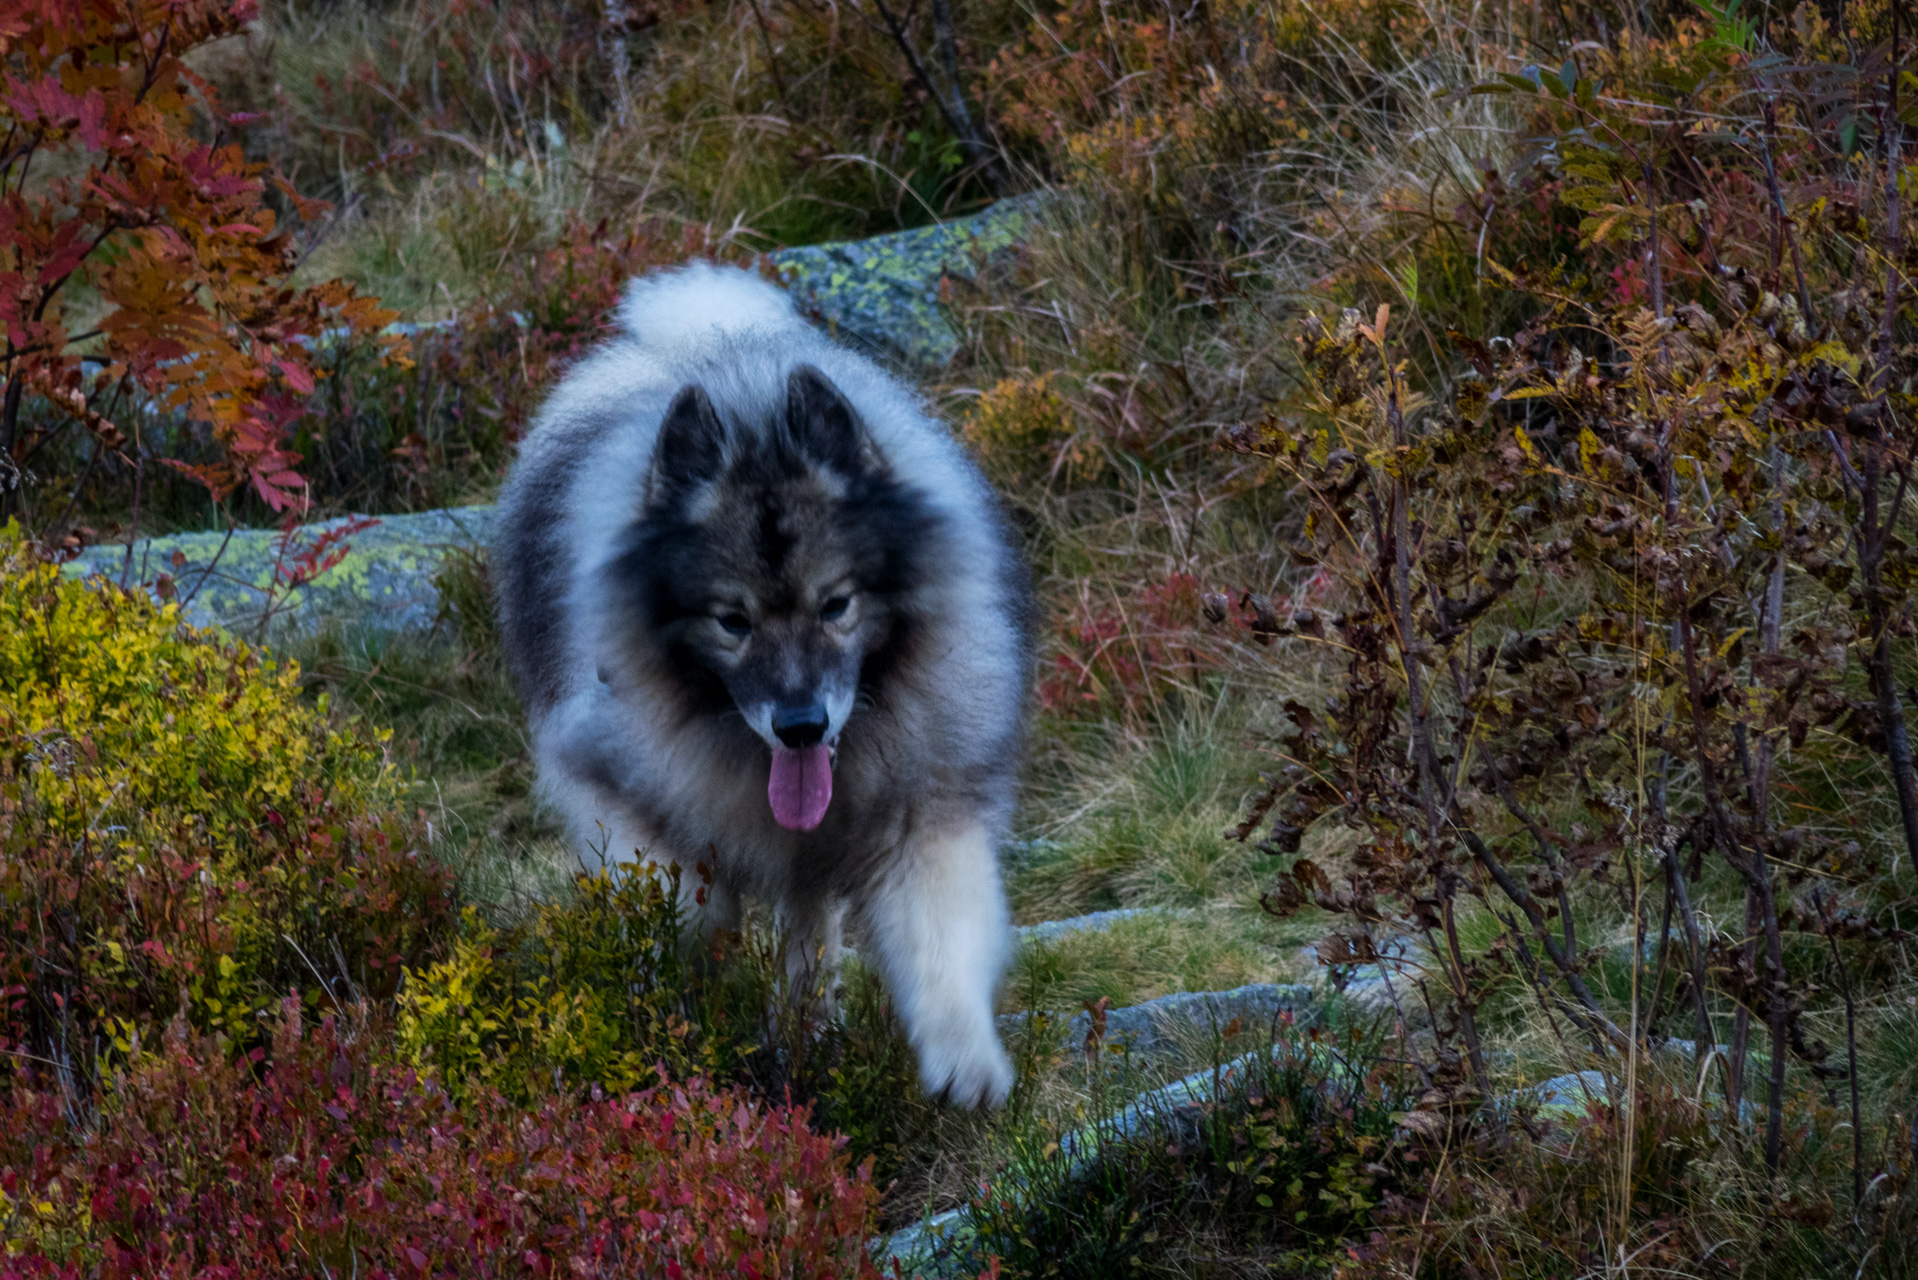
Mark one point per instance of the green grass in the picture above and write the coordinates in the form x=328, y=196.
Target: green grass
x=1138, y=819
x=459, y=737
x=1146, y=957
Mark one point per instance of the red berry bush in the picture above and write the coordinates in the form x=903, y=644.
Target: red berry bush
x=318, y=1159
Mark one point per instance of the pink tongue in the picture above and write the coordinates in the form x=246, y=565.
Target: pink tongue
x=801, y=786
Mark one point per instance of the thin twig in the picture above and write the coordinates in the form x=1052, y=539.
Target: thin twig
x=211, y=565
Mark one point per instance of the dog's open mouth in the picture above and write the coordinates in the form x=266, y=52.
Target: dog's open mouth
x=801, y=786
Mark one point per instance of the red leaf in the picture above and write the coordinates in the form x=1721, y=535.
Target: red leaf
x=297, y=375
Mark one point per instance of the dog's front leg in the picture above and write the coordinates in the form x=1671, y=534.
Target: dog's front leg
x=936, y=920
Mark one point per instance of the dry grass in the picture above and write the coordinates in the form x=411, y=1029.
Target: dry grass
x=453, y=138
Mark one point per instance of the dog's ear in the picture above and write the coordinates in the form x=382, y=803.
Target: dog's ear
x=825, y=427
x=690, y=448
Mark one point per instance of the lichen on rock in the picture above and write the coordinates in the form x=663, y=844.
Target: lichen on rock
x=884, y=295
x=384, y=580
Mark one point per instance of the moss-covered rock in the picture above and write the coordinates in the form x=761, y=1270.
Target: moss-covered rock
x=384, y=579
x=884, y=294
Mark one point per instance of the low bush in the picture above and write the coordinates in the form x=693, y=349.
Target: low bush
x=1271, y=1177
x=590, y=991
x=1545, y=1197
x=184, y=839
x=181, y=835
x=1023, y=425
x=1126, y=659
x=319, y=1160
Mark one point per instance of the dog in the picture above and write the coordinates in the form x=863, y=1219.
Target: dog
x=766, y=616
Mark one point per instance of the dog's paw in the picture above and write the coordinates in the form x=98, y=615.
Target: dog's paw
x=967, y=1073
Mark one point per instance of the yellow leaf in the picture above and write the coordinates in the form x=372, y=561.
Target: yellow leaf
x=1599, y=232
x=1589, y=446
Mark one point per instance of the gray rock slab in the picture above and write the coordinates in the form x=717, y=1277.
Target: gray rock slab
x=1091, y=922
x=1570, y=1094
x=385, y=579
x=1160, y=1026
x=1566, y=1097
x=884, y=294
x=1371, y=987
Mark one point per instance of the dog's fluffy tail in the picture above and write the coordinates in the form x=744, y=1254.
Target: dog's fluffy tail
x=701, y=301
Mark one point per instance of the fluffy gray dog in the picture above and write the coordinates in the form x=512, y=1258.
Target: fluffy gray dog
x=766, y=616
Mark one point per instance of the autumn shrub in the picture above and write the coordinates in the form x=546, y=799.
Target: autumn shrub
x=317, y=1158
x=145, y=278
x=1547, y=1193
x=181, y=835
x=1122, y=660
x=1024, y=425
x=594, y=990
x=1617, y=618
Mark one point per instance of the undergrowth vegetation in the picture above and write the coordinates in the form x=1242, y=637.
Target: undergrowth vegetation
x=1274, y=1176
x=1465, y=452
x=195, y=861
x=323, y=1158
x=185, y=839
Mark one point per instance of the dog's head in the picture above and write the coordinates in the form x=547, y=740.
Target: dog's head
x=773, y=565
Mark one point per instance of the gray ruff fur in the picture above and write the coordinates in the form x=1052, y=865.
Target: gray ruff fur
x=926, y=757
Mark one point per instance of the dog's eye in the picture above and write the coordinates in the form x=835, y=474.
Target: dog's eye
x=835, y=608
x=736, y=623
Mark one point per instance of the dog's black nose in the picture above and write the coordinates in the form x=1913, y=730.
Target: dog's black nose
x=800, y=726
